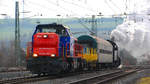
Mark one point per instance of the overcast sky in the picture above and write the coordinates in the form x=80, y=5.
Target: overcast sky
x=67, y=8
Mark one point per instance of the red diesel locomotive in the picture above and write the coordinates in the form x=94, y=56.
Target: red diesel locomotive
x=53, y=50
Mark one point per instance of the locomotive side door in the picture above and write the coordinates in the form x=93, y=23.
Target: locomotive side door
x=64, y=44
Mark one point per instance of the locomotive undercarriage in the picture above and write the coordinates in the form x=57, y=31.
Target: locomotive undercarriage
x=48, y=65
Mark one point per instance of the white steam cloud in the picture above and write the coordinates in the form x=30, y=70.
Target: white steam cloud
x=134, y=34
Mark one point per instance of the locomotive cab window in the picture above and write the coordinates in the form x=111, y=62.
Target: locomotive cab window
x=45, y=30
x=57, y=30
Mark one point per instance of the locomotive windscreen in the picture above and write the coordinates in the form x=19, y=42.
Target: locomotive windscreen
x=48, y=28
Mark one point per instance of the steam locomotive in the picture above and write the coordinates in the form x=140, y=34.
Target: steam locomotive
x=54, y=50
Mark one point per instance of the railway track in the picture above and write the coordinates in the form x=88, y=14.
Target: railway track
x=95, y=79
x=100, y=79
x=26, y=79
x=12, y=69
x=13, y=72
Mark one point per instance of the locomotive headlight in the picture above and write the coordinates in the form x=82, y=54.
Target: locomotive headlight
x=35, y=55
x=52, y=55
x=45, y=36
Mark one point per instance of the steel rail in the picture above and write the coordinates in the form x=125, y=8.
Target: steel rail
x=99, y=79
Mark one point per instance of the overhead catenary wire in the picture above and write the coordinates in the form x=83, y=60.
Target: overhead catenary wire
x=75, y=17
x=42, y=5
x=55, y=4
x=61, y=7
x=79, y=20
x=115, y=5
x=79, y=6
x=28, y=6
x=35, y=7
x=110, y=6
x=59, y=1
x=3, y=8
